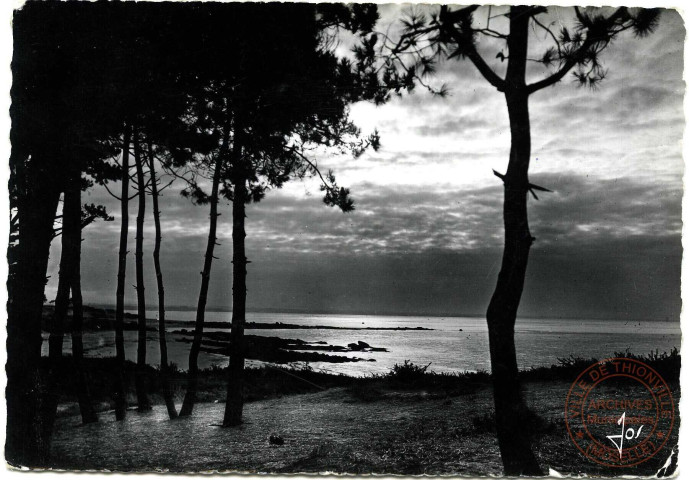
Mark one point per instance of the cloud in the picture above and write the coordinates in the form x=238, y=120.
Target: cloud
x=585, y=224
x=427, y=232
x=585, y=209
x=464, y=123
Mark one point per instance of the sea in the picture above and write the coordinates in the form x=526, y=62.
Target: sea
x=453, y=344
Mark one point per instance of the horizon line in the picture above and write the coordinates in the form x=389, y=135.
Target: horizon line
x=385, y=313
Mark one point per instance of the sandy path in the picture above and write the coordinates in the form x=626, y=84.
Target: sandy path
x=329, y=430
x=335, y=430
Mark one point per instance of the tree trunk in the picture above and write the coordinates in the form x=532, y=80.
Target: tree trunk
x=36, y=206
x=56, y=327
x=67, y=261
x=88, y=414
x=511, y=414
x=140, y=380
x=192, y=383
x=164, y=370
x=235, y=396
x=69, y=258
x=119, y=381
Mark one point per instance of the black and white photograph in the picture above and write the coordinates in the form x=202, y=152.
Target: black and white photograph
x=344, y=238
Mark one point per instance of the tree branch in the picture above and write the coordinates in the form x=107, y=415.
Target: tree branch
x=550, y=32
x=447, y=22
x=334, y=195
x=110, y=192
x=482, y=66
x=562, y=71
x=491, y=33
x=168, y=184
x=578, y=56
x=313, y=166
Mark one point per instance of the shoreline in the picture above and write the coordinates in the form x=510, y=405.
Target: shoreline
x=337, y=349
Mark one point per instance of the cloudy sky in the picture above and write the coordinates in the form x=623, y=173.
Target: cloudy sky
x=426, y=235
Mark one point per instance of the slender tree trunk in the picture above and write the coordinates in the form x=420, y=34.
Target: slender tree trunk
x=164, y=368
x=88, y=413
x=511, y=414
x=68, y=258
x=36, y=206
x=120, y=385
x=140, y=381
x=57, y=321
x=70, y=278
x=67, y=261
x=192, y=383
x=235, y=395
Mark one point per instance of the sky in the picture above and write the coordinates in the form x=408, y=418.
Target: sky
x=426, y=235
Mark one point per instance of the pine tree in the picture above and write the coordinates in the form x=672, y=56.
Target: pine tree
x=454, y=34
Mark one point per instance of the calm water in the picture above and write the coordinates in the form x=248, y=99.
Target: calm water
x=455, y=344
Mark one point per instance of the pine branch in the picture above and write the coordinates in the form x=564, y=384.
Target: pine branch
x=335, y=196
x=599, y=33
x=466, y=45
x=552, y=35
x=562, y=71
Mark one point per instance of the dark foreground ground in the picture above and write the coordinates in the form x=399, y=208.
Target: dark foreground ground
x=406, y=422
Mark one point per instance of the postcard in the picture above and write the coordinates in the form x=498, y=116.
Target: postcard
x=411, y=239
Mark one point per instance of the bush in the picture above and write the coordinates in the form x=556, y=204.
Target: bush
x=568, y=368
x=408, y=372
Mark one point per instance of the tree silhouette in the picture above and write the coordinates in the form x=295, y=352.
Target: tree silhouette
x=143, y=403
x=69, y=264
x=55, y=75
x=217, y=162
x=273, y=57
x=273, y=126
x=155, y=96
x=164, y=366
x=192, y=381
x=119, y=380
x=74, y=218
x=448, y=34
x=35, y=187
x=103, y=73
x=83, y=74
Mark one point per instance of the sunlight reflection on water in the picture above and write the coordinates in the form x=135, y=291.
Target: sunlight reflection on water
x=454, y=344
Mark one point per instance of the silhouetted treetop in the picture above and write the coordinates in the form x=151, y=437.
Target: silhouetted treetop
x=427, y=35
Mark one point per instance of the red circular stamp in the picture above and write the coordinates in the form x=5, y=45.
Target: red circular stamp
x=619, y=412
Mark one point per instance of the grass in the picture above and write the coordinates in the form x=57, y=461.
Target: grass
x=409, y=420
x=666, y=364
x=272, y=382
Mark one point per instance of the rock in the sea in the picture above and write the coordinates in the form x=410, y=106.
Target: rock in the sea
x=276, y=439
x=364, y=347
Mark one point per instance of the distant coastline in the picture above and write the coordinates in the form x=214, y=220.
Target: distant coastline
x=385, y=313
x=102, y=319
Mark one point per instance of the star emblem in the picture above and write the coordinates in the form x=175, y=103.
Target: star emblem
x=580, y=435
x=660, y=434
